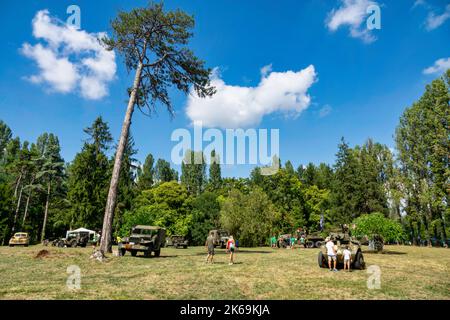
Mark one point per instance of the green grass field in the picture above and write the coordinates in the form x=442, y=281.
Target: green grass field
x=260, y=273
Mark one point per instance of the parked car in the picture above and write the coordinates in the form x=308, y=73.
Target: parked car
x=19, y=239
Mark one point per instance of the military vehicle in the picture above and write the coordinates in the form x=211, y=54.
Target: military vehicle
x=284, y=241
x=73, y=240
x=376, y=243
x=77, y=238
x=146, y=239
x=19, y=239
x=314, y=240
x=341, y=241
x=220, y=238
x=177, y=241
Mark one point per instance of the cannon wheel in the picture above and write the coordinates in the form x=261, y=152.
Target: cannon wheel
x=321, y=260
x=359, y=261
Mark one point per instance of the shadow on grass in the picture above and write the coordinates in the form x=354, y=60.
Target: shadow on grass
x=223, y=252
x=385, y=252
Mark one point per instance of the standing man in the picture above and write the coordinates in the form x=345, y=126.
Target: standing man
x=209, y=245
x=331, y=253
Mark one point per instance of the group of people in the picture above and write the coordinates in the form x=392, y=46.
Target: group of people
x=230, y=247
x=289, y=242
x=332, y=255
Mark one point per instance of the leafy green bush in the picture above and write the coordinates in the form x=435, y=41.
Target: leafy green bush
x=377, y=224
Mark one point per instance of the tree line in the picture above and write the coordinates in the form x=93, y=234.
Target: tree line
x=42, y=194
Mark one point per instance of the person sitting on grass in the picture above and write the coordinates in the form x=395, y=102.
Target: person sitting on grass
x=331, y=253
x=209, y=245
x=230, y=248
x=347, y=258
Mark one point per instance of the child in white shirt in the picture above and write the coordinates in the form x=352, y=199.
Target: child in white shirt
x=347, y=258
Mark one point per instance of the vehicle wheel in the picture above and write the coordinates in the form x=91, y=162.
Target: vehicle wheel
x=122, y=252
x=147, y=253
x=321, y=260
x=61, y=244
x=134, y=253
x=359, y=261
x=185, y=247
x=318, y=244
x=157, y=253
x=73, y=243
x=26, y=245
x=309, y=244
x=175, y=246
x=11, y=245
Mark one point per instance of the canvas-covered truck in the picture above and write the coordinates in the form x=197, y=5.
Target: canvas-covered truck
x=80, y=237
x=146, y=239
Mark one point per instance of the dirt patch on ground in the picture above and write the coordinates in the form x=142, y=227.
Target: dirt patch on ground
x=42, y=254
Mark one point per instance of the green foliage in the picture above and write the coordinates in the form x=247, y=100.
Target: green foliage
x=164, y=173
x=205, y=216
x=317, y=203
x=423, y=143
x=89, y=176
x=164, y=206
x=377, y=224
x=146, y=175
x=251, y=218
x=193, y=172
x=285, y=191
x=215, y=177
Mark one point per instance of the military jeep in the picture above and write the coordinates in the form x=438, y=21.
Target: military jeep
x=341, y=241
x=146, y=239
x=220, y=238
x=177, y=241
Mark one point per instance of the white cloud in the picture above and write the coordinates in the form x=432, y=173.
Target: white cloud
x=325, y=111
x=69, y=59
x=419, y=3
x=439, y=67
x=434, y=20
x=352, y=13
x=241, y=107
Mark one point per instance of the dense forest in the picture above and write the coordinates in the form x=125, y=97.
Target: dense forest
x=44, y=195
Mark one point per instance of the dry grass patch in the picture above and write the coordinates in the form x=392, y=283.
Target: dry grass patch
x=260, y=273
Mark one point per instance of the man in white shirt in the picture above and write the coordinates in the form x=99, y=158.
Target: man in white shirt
x=331, y=253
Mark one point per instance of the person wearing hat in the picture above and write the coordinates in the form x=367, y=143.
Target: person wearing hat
x=331, y=253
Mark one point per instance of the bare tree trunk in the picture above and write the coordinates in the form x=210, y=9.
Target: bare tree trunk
x=106, y=245
x=46, y=211
x=25, y=215
x=17, y=185
x=16, y=215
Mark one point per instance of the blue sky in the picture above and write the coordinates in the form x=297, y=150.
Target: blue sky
x=360, y=89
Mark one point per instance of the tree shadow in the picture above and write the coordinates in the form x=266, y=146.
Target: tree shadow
x=388, y=252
